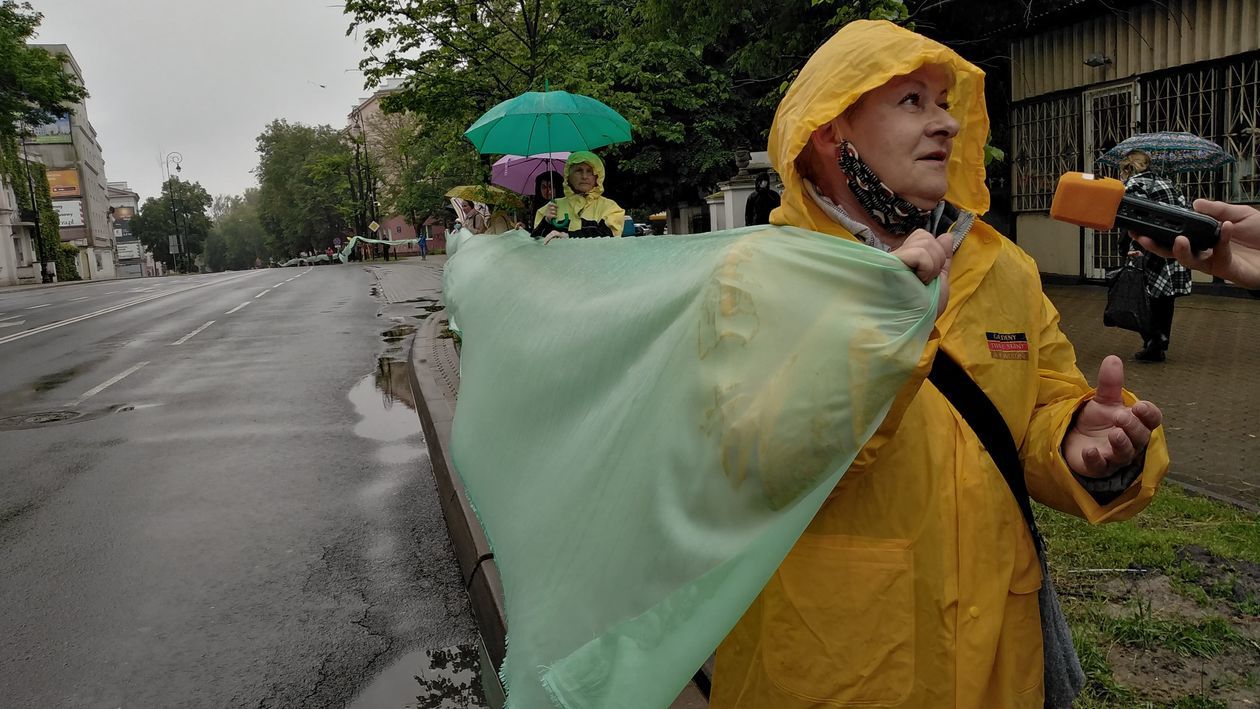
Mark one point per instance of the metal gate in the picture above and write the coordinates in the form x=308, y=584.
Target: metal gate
x=1110, y=115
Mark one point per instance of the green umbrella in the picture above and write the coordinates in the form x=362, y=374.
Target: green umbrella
x=547, y=121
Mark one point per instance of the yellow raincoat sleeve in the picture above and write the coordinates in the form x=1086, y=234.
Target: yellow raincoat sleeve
x=1062, y=390
x=615, y=217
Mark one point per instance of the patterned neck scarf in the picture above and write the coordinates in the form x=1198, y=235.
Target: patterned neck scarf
x=894, y=213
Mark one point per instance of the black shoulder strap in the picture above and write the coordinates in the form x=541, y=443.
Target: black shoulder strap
x=986, y=421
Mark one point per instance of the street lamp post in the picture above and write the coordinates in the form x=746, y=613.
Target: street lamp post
x=176, y=158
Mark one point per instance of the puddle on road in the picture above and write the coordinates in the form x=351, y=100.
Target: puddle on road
x=449, y=678
x=384, y=401
x=398, y=333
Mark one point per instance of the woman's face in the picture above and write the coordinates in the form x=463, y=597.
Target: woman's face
x=904, y=131
x=582, y=178
x=548, y=190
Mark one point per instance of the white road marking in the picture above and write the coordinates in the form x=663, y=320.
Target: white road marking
x=113, y=292
x=113, y=308
x=263, y=293
x=192, y=334
x=80, y=298
x=233, y=310
x=11, y=317
x=108, y=383
x=11, y=324
x=36, y=307
x=278, y=284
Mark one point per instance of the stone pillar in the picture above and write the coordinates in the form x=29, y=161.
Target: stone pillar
x=717, y=211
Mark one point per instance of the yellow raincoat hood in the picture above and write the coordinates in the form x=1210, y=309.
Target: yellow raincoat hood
x=584, y=156
x=862, y=56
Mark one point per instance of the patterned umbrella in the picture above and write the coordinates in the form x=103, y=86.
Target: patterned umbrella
x=486, y=194
x=1172, y=152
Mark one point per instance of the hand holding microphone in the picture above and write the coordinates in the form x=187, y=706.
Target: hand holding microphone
x=1236, y=256
x=1217, y=238
x=1100, y=203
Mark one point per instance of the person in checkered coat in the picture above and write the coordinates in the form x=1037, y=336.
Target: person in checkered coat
x=1166, y=280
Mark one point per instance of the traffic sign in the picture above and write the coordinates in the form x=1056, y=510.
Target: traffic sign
x=373, y=226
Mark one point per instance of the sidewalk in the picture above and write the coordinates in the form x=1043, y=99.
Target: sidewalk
x=1207, y=390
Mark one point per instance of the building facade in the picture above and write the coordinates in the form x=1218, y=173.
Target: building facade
x=19, y=262
x=133, y=261
x=69, y=148
x=377, y=130
x=1079, y=89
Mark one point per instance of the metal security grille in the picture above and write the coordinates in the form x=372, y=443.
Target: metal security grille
x=1219, y=101
x=1242, y=128
x=1046, y=137
x=1187, y=101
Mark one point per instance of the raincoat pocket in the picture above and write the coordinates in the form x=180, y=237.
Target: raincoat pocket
x=1019, y=658
x=840, y=621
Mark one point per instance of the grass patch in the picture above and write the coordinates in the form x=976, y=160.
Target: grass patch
x=1101, y=688
x=1198, y=701
x=1145, y=629
x=1204, y=551
x=1151, y=540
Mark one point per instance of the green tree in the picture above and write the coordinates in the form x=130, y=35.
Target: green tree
x=304, y=177
x=180, y=209
x=237, y=239
x=33, y=87
x=462, y=58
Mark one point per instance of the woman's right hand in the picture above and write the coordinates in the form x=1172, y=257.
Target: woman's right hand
x=929, y=257
x=551, y=210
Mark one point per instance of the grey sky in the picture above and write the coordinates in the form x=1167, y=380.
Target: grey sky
x=203, y=77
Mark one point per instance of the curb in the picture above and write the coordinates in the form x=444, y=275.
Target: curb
x=436, y=406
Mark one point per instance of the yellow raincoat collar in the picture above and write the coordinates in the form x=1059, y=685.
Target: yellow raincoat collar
x=862, y=56
x=585, y=156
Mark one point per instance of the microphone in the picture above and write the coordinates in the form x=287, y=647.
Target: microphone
x=1100, y=203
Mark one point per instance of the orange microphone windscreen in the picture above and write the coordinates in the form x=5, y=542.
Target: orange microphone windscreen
x=1087, y=200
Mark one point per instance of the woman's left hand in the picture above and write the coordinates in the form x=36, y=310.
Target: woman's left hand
x=554, y=235
x=1108, y=435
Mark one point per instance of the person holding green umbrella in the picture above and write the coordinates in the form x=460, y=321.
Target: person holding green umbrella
x=584, y=211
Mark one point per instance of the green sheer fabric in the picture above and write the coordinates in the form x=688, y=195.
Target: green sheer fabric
x=646, y=425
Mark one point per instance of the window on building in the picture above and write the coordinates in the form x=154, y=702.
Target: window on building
x=1185, y=100
x=1046, y=142
x=17, y=249
x=1242, y=128
x=100, y=265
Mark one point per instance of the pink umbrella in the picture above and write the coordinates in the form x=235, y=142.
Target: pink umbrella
x=518, y=172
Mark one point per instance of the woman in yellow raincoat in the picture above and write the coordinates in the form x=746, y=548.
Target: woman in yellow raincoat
x=916, y=583
x=584, y=210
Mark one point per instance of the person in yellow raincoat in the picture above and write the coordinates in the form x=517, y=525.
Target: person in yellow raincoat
x=916, y=583
x=584, y=211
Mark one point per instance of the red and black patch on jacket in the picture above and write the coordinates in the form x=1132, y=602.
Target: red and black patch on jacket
x=1007, y=345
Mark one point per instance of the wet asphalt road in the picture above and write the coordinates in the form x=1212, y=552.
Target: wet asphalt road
x=242, y=516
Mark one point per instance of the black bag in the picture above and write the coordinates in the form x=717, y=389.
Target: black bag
x=1127, y=304
x=1064, y=677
